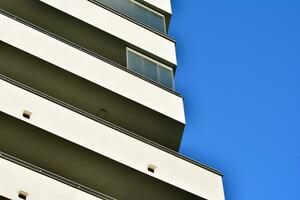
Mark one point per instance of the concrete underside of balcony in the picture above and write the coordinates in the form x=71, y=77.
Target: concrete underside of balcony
x=89, y=97
x=3, y=198
x=59, y=156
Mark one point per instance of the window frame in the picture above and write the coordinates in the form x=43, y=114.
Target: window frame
x=153, y=11
x=154, y=61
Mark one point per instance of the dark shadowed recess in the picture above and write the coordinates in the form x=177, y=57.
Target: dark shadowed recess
x=81, y=165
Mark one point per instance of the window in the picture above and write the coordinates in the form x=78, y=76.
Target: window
x=138, y=12
x=150, y=68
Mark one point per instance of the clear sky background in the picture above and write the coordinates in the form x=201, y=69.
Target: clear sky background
x=239, y=72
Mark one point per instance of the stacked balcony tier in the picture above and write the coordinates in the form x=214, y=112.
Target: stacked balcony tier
x=88, y=107
x=94, y=84
x=36, y=121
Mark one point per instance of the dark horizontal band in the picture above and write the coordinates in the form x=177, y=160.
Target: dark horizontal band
x=54, y=176
x=87, y=51
x=108, y=124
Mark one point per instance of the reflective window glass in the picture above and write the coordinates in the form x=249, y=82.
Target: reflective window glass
x=156, y=21
x=135, y=63
x=166, y=77
x=138, y=12
x=149, y=68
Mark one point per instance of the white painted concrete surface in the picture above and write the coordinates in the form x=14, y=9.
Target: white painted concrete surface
x=117, y=26
x=164, y=5
x=91, y=68
x=15, y=178
x=110, y=142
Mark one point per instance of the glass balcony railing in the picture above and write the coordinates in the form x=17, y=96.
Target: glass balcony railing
x=150, y=68
x=138, y=12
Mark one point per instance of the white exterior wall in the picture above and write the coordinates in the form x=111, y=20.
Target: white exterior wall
x=117, y=26
x=91, y=68
x=164, y=5
x=15, y=178
x=110, y=142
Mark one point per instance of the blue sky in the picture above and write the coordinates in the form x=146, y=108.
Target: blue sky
x=239, y=71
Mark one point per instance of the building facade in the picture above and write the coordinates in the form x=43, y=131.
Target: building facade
x=88, y=106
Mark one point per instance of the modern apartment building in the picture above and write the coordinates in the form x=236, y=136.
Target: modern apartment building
x=88, y=107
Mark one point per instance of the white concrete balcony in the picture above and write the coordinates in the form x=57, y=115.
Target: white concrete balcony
x=164, y=5
x=118, y=26
x=103, y=73
x=19, y=182
x=110, y=141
